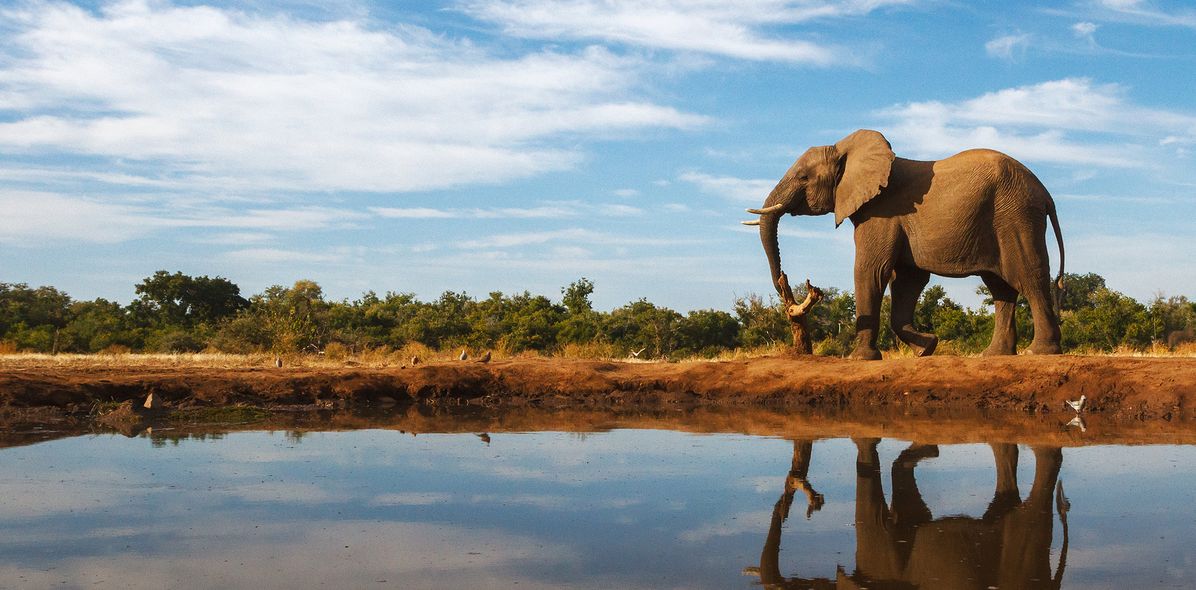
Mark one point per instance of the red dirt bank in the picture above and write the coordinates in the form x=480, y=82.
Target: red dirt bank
x=1117, y=388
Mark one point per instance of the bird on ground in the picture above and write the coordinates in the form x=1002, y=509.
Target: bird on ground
x=485, y=358
x=637, y=353
x=1077, y=405
x=463, y=356
x=278, y=362
x=485, y=438
x=415, y=360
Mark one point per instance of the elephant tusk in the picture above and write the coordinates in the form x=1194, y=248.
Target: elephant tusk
x=767, y=210
x=751, y=222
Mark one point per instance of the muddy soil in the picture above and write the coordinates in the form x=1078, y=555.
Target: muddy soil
x=1116, y=389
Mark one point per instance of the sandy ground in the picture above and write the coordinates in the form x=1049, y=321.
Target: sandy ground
x=1118, y=390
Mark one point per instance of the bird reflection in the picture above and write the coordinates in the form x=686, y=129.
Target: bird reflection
x=900, y=545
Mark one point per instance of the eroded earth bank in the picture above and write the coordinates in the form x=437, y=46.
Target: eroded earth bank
x=1127, y=399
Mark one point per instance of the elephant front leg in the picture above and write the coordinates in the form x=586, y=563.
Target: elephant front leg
x=869, y=290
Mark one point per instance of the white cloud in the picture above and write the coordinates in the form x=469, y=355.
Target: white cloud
x=34, y=218
x=45, y=218
x=550, y=210
x=737, y=30
x=1139, y=12
x=412, y=499
x=1040, y=122
x=1006, y=46
x=746, y=190
x=222, y=97
x=279, y=256
x=413, y=213
x=574, y=235
x=1085, y=31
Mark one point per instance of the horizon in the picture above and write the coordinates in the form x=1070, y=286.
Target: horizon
x=510, y=145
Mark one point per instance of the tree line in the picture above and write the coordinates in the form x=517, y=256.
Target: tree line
x=174, y=312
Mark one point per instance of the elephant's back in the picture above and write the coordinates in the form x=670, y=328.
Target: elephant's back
x=954, y=552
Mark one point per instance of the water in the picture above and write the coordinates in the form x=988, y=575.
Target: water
x=620, y=509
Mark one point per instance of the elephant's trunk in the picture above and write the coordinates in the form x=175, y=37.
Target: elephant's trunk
x=768, y=237
x=770, y=217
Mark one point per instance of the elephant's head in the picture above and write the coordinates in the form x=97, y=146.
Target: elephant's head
x=839, y=178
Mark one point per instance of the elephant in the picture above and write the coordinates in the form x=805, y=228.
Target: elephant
x=1179, y=337
x=977, y=213
x=903, y=546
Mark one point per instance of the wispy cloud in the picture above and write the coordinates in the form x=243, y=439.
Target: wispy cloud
x=744, y=190
x=1041, y=122
x=1086, y=31
x=45, y=218
x=737, y=30
x=548, y=210
x=1142, y=12
x=1007, y=46
x=281, y=256
x=212, y=96
x=572, y=235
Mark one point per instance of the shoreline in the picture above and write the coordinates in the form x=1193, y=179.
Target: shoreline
x=1116, y=389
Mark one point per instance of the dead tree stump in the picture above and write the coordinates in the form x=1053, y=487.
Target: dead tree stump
x=796, y=312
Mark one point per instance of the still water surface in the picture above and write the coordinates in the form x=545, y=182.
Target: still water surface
x=620, y=509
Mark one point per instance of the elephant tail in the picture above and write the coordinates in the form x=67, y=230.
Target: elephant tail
x=1059, y=240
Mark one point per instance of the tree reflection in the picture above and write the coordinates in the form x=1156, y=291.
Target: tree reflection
x=902, y=546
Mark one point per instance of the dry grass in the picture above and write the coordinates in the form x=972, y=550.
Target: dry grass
x=336, y=356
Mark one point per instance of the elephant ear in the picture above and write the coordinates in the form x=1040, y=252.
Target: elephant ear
x=867, y=158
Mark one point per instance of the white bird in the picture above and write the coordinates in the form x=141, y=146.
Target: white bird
x=637, y=353
x=1078, y=421
x=1077, y=405
x=463, y=356
x=415, y=360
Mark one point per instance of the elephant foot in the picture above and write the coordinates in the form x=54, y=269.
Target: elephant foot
x=1044, y=347
x=995, y=349
x=924, y=344
x=865, y=353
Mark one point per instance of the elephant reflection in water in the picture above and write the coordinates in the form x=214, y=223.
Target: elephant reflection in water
x=904, y=546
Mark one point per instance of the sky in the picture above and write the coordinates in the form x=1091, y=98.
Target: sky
x=511, y=145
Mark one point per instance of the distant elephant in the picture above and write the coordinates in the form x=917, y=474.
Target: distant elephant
x=1179, y=337
x=903, y=546
x=978, y=212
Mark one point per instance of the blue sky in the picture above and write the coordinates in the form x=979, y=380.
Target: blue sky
x=486, y=145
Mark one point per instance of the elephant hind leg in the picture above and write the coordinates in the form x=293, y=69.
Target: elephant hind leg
x=1004, y=323
x=1046, y=324
x=907, y=286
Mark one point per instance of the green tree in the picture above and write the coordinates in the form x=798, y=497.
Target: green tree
x=293, y=319
x=185, y=301
x=642, y=325
x=96, y=325
x=581, y=324
x=1079, y=291
x=762, y=322
x=1108, y=320
x=706, y=332
x=442, y=323
x=33, y=318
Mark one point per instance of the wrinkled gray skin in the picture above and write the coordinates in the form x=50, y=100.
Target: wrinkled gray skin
x=977, y=213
